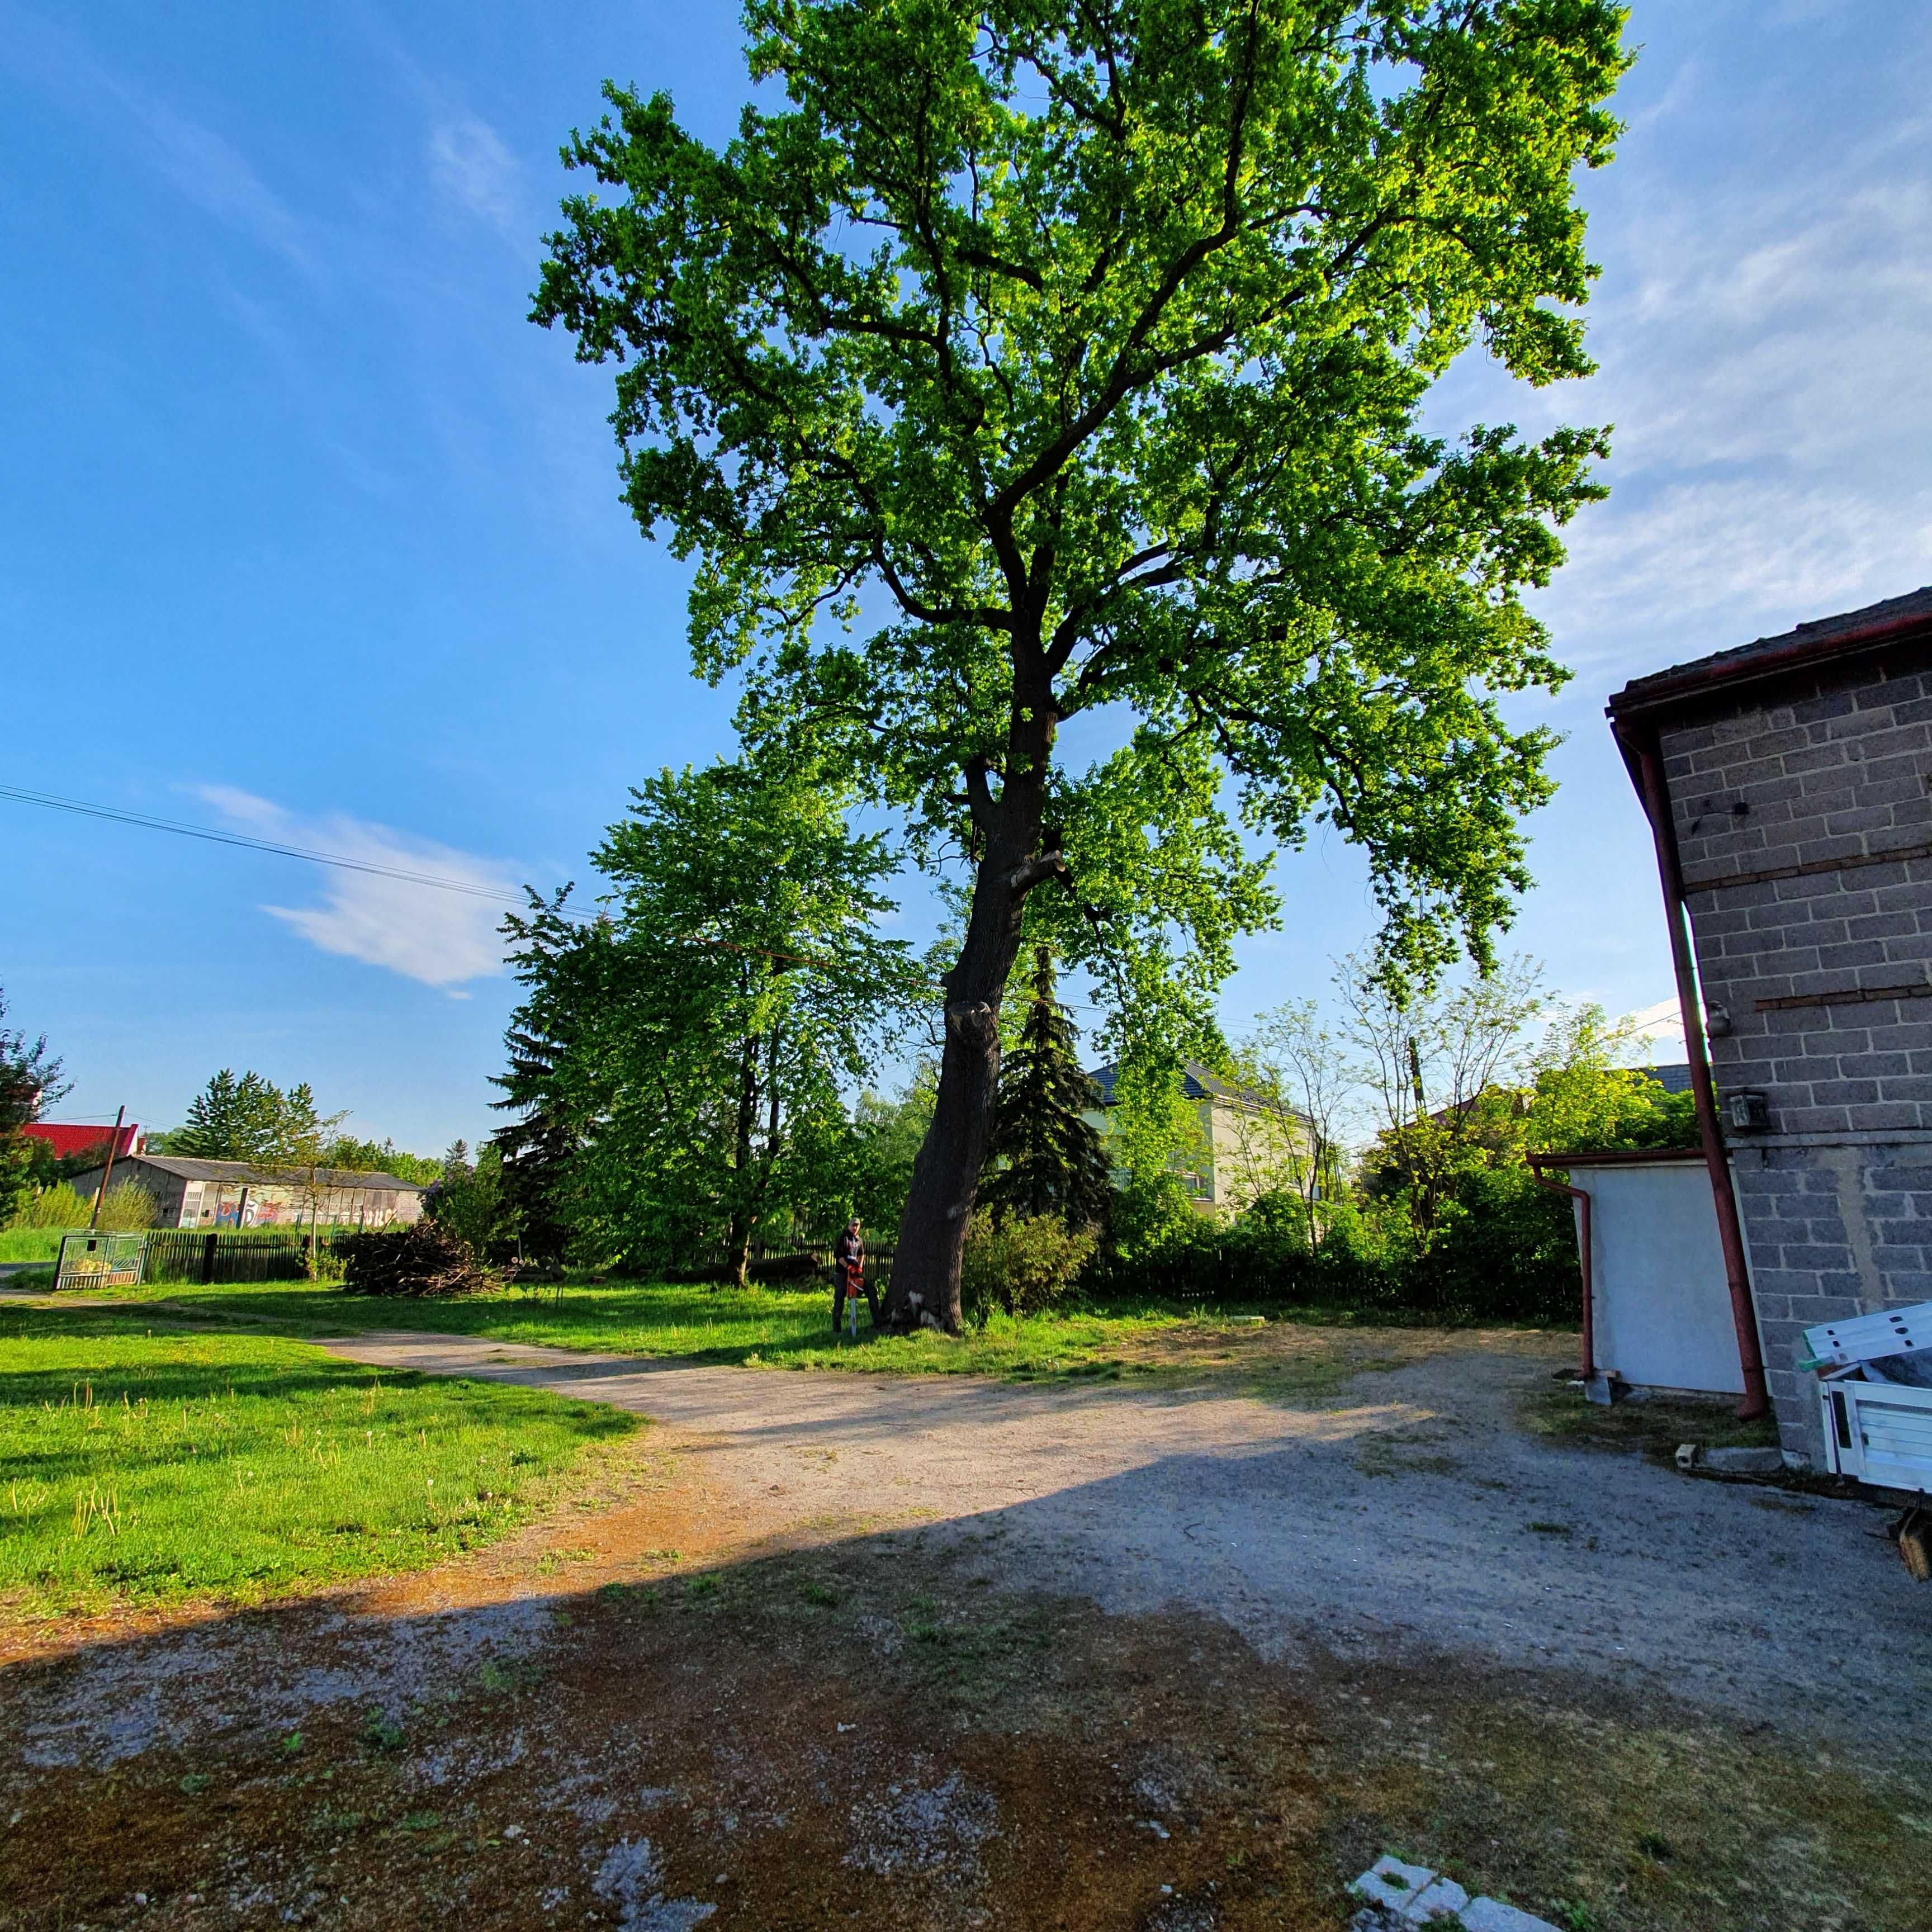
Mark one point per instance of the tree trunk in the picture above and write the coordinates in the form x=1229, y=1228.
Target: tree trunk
x=945, y=1172
x=738, y=1237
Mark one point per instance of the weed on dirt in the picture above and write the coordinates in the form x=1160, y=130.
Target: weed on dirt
x=1655, y=1424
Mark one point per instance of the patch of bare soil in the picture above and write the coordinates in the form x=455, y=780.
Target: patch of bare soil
x=670, y=1706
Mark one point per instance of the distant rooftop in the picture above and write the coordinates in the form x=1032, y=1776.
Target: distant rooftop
x=1674, y=1079
x=1196, y=1084
x=267, y=1174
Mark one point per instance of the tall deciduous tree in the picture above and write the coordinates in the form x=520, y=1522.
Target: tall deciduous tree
x=697, y=1037
x=1037, y=357
x=1046, y=1157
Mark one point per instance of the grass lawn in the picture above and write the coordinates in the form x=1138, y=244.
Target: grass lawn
x=30, y=1244
x=772, y=1327
x=140, y=1463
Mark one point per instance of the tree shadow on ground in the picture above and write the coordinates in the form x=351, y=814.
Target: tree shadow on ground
x=875, y=1728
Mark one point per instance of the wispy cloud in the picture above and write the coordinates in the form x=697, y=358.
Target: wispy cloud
x=438, y=937
x=1762, y=338
x=470, y=163
x=203, y=165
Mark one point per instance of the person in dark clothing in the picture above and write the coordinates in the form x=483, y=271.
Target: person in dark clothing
x=848, y=1274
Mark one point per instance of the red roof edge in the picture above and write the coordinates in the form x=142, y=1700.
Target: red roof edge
x=66, y=1141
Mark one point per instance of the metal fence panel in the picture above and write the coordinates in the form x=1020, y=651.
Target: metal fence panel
x=90, y=1259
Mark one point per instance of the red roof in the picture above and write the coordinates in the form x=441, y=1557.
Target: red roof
x=68, y=1141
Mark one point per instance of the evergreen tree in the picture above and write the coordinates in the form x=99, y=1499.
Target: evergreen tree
x=231, y=1119
x=537, y=1147
x=1046, y=1157
x=253, y=1119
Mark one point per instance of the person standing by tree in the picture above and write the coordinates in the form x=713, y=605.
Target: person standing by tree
x=1026, y=358
x=848, y=1274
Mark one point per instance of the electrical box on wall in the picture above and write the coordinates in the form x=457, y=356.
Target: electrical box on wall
x=1748, y=1110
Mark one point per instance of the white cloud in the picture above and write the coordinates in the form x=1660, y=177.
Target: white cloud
x=1662, y=1026
x=470, y=163
x=427, y=934
x=1761, y=326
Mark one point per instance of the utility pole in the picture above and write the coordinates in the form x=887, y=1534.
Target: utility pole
x=107, y=1172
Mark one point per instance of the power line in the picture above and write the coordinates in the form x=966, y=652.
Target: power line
x=83, y=808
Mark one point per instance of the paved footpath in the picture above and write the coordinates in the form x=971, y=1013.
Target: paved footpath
x=1406, y=1508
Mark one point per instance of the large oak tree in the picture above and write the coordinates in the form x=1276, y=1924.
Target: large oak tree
x=1044, y=357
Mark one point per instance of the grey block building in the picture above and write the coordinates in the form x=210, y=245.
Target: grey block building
x=1794, y=777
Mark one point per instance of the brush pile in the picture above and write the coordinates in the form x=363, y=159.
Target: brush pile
x=425, y=1259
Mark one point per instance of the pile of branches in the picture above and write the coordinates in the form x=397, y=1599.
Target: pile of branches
x=424, y=1259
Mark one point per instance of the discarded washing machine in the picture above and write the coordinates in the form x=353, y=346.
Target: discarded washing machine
x=1875, y=1380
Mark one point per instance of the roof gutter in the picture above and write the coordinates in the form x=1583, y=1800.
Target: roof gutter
x=1670, y=688
x=1641, y=755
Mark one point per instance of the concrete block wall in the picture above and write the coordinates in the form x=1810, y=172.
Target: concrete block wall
x=1814, y=970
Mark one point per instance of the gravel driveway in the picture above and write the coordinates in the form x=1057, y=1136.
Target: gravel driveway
x=1406, y=1511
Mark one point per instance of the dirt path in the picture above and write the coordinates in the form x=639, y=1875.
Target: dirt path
x=1406, y=1511
x=823, y=1648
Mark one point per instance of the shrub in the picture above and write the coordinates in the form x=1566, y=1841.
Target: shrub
x=127, y=1207
x=425, y=1259
x=1022, y=1266
x=61, y=1206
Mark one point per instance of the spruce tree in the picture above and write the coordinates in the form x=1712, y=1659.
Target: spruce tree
x=1045, y=1156
x=232, y=1120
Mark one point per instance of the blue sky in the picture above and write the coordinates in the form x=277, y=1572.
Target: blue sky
x=307, y=532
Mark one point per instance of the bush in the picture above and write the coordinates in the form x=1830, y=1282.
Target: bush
x=426, y=1259
x=127, y=1207
x=61, y=1206
x=1022, y=1266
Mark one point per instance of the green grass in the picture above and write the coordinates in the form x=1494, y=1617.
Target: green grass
x=138, y=1464
x=29, y=1244
x=1655, y=1425
x=758, y=1326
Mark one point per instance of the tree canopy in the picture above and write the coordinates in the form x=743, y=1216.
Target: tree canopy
x=690, y=1042
x=250, y=1118
x=30, y=1079
x=1049, y=357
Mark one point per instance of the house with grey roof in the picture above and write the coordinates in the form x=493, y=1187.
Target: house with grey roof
x=1243, y=1146
x=191, y=1193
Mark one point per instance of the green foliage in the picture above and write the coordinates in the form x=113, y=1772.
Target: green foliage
x=362, y=1156
x=142, y=1467
x=1017, y=362
x=252, y=1119
x=1046, y=1159
x=127, y=1207
x=29, y=1081
x=1022, y=1265
x=472, y=1202
x=60, y=1206
x=694, y=1037
x=883, y=1142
